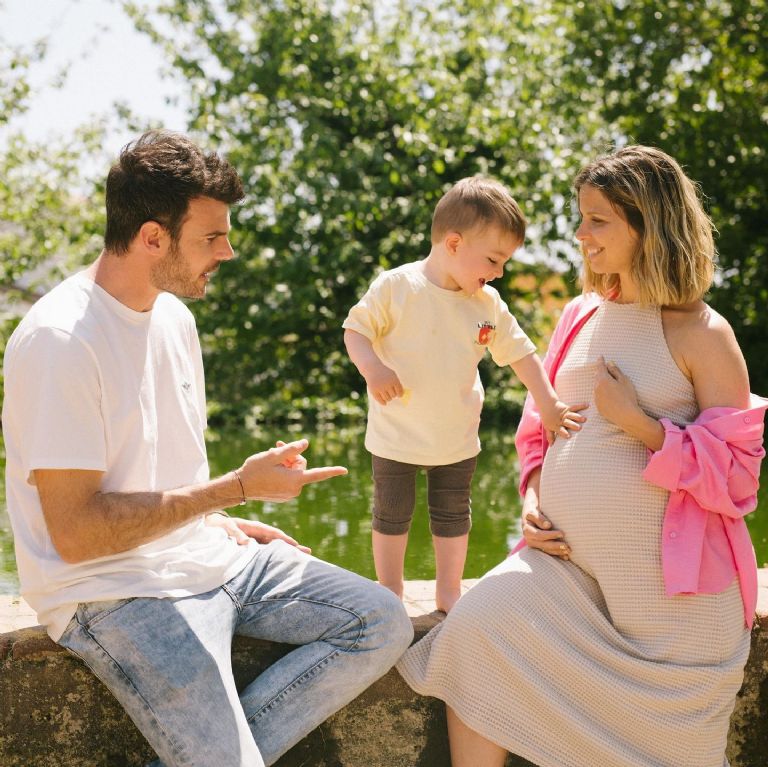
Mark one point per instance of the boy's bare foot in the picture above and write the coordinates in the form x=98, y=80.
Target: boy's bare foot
x=445, y=599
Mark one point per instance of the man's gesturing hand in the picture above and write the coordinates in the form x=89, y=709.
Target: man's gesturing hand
x=280, y=473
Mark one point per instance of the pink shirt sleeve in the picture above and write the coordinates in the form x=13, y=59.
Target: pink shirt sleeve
x=716, y=460
x=711, y=469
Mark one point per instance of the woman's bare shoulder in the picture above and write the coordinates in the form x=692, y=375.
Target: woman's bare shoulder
x=700, y=320
x=706, y=344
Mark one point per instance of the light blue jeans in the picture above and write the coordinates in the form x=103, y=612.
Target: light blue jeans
x=168, y=661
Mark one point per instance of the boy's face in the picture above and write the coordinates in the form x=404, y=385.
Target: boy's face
x=478, y=256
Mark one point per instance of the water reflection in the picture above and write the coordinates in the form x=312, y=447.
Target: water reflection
x=333, y=517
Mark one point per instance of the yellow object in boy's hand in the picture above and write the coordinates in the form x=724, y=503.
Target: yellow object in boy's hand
x=405, y=397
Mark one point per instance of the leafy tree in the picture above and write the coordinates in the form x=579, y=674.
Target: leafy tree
x=691, y=77
x=348, y=121
x=15, y=62
x=51, y=211
x=45, y=229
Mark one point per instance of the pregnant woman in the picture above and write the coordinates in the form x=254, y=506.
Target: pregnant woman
x=618, y=636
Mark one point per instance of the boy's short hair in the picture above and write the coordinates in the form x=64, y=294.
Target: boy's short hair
x=155, y=178
x=477, y=201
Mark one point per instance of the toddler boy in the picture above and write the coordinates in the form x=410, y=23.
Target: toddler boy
x=417, y=337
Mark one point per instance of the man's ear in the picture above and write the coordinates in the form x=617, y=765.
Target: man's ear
x=452, y=241
x=153, y=238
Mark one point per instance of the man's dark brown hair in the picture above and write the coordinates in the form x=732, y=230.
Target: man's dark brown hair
x=155, y=178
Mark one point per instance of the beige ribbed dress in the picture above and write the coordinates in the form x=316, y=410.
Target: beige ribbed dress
x=588, y=663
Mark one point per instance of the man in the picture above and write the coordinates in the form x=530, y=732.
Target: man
x=121, y=547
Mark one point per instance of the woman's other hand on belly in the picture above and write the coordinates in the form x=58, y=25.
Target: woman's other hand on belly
x=539, y=533
x=616, y=401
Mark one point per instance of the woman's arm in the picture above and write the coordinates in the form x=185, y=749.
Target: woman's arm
x=704, y=347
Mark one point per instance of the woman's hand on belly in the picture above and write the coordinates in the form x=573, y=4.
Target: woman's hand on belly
x=615, y=395
x=616, y=401
x=538, y=534
x=537, y=529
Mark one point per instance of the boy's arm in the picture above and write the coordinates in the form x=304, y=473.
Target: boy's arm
x=556, y=416
x=383, y=383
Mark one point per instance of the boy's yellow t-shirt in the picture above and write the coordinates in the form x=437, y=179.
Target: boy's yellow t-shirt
x=433, y=339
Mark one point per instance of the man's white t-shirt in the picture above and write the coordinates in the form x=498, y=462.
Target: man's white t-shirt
x=92, y=384
x=433, y=339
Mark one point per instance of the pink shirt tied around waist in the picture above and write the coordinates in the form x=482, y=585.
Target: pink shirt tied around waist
x=711, y=469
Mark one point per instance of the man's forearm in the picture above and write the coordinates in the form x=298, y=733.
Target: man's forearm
x=85, y=522
x=114, y=522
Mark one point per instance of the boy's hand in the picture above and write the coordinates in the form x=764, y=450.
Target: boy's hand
x=383, y=384
x=561, y=419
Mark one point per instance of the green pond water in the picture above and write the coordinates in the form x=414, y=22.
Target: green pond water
x=334, y=518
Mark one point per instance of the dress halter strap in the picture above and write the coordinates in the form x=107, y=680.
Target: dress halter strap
x=563, y=350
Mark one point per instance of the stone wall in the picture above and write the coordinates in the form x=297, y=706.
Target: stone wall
x=55, y=713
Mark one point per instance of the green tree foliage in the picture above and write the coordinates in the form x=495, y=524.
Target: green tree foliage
x=51, y=218
x=691, y=77
x=15, y=62
x=349, y=118
x=348, y=121
x=50, y=207
x=51, y=210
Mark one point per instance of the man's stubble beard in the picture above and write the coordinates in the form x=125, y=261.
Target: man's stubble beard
x=172, y=274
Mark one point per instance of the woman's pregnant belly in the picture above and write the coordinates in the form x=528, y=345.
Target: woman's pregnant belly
x=592, y=489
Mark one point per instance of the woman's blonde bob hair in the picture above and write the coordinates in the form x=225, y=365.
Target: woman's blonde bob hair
x=674, y=263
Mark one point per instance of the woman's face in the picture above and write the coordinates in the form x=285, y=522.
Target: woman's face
x=608, y=242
